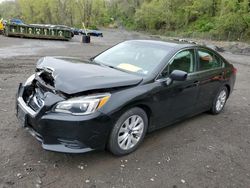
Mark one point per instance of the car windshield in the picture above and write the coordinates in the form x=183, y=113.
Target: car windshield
x=133, y=56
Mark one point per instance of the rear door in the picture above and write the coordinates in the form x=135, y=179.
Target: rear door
x=210, y=76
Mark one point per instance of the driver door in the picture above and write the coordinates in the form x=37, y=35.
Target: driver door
x=178, y=99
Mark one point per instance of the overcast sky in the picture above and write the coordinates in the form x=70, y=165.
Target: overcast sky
x=5, y=0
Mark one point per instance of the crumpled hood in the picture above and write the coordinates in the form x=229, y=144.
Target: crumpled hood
x=72, y=75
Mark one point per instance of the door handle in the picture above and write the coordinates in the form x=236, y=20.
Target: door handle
x=193, y=84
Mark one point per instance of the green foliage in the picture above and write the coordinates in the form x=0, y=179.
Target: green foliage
x=204, y=24
x=215, y=17
x=64, y=12
x=9, y=9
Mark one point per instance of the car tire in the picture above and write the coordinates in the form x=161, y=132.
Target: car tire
x=219, y=101
x=128, y=132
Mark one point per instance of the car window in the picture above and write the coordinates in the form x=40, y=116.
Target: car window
x=135, y=57
x=184, y=61
x=208, y=60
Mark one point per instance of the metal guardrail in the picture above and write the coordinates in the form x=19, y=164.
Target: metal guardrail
x=38, y=31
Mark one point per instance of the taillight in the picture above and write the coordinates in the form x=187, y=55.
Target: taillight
x=234, y=70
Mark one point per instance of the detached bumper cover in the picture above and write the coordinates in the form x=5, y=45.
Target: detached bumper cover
x=63, y=132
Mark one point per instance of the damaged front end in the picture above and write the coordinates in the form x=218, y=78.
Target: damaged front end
x=60, y=104
x=58, y=131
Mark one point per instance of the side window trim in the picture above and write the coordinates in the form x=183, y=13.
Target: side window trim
x=214, y=54
x=199, y=72
x=172, y=58
x=193, y=60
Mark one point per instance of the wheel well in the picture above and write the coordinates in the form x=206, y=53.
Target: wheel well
x=228, y=89
x=146, y=109
x=148, y=112
x=143, y=107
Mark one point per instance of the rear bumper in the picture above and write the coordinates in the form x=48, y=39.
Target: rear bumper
x=63, y=132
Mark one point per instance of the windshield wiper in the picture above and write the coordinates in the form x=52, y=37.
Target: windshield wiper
x=105, y=65
x=98, y=63
x=110, y=66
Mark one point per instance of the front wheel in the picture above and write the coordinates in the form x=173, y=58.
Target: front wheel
x=128, y=132
x=220, y=101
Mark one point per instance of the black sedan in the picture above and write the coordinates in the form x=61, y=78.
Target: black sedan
x=114, y=99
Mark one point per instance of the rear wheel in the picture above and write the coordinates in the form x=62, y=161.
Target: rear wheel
x=128, y=132
x=220, y=101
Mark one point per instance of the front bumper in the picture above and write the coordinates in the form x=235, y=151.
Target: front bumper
x=63, y=132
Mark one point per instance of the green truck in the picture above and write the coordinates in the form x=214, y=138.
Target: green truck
x=39, y=31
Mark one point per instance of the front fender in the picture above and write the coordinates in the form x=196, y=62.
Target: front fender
x=121, y=101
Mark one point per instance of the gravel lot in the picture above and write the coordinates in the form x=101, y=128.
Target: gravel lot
x=204, y=151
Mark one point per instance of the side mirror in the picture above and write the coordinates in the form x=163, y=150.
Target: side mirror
x=178, y=75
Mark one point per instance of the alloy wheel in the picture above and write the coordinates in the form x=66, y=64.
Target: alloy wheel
x=221, y=100
x=130, y=132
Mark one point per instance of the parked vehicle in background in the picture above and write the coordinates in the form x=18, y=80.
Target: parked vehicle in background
x=16, y=21
x=113, y=100
x=76, y=31
x=95, y=33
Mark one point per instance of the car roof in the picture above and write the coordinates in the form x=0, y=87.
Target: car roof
x=177, y=45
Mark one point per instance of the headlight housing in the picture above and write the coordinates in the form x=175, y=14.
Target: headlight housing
x=82, y=105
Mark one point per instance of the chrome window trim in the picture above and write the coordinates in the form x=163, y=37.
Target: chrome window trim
x=184, y=49
x=196, y=48
x=202, y=71
x=216, y=55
